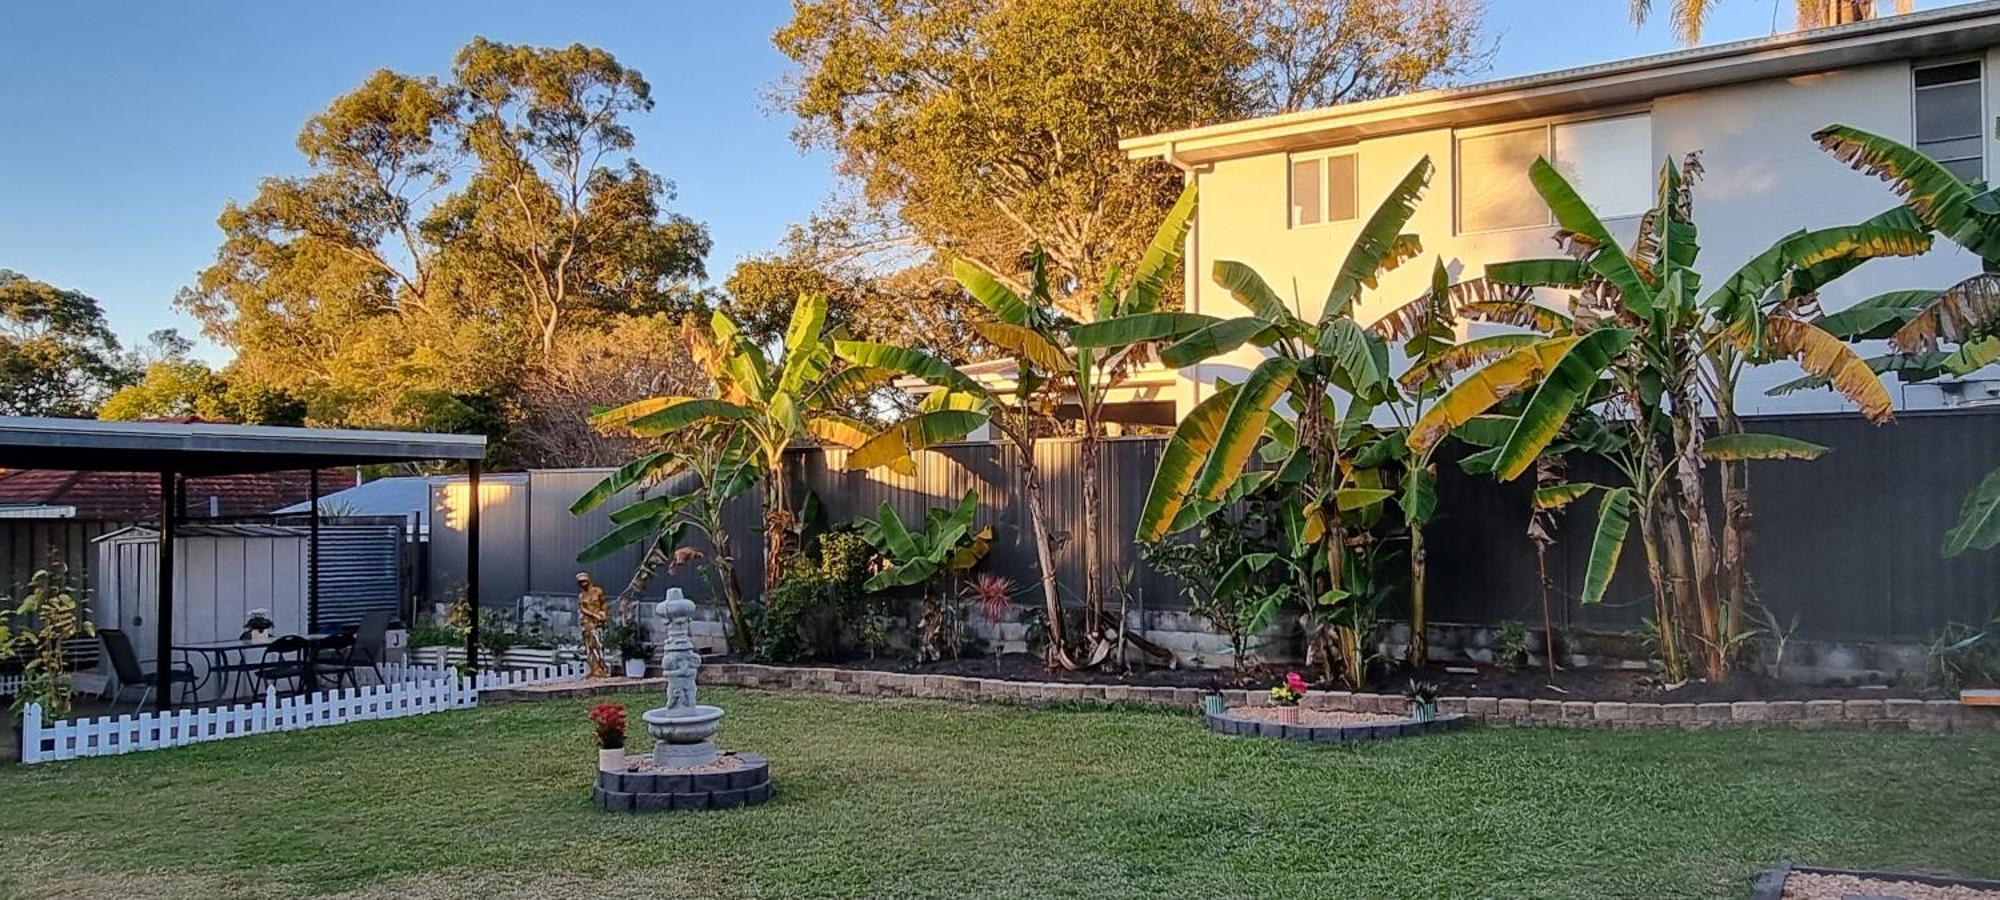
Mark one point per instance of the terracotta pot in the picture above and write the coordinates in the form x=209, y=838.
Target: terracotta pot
x=1288, y=715
x=611, y=760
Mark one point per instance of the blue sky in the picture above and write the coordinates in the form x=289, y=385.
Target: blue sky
x=128, y=125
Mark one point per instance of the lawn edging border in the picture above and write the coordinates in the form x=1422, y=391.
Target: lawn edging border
x=1224, y=723
x=1935, y=716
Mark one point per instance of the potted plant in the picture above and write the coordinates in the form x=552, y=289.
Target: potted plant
x=1423, y=697
x=1286, y=698
x=608, y=722
x=257, y=629
x=632, y=646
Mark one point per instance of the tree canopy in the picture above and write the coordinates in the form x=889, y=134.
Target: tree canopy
x=447, y=238
x=991, y=126
x=57, y=355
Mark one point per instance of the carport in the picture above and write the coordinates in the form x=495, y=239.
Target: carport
x=178, y=451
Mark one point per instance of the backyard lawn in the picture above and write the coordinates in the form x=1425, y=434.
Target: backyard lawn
x=926, y=799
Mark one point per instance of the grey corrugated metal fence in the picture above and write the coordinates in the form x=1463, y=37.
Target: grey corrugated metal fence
x=1849, y=542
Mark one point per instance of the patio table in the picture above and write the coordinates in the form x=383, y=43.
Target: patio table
x=218, y=653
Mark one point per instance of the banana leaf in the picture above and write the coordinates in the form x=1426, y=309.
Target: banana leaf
x=1381, y=245
x=1613, y=520
x=1571, y=378
x=1181, y=462
x=1243, y=426
x=1741, y=447
x=1156, y=265
x=1978, y=525
x=986, y=287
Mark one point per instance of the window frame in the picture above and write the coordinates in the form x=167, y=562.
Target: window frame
x=1320, y=157
x=1979, y=133
x=1547, y=126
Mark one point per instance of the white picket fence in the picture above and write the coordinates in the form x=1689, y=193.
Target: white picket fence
x=409, y=691
x=12, y=684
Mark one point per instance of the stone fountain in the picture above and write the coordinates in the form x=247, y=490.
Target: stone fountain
x=685, y=770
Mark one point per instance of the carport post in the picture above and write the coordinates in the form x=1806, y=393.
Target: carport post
x=472, y=567
x=163, y=617
x=312, y=550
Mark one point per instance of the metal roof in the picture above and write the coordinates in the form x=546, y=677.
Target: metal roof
x=199, y=448
x=1949, y=29
x=399, y=496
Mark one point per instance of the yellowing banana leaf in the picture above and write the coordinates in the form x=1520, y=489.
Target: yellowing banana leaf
x=1026, y=343
x=1964, y=311
x=619, y=416
x=1822, y=354
x=1481, y=390
x=1351, y=499
x=1930, y=190
x=1462, y=356
x=918, y=432
x=1181, y=462
x=689, y=411
x=805, y=359
x=1156, y=265
x=1878, y=316
x=1607, y=259
x=1973, y=356
x=1570, y=379
x=1381, y=245
x=1244, y=425
x=986, y=287
x=1613, y=520
x=1557, y=496
x=914, y=363
x=1521, y=314
x=1249, y=289
x=1740, y=447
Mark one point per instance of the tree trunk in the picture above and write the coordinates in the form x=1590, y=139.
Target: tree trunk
x=1419, y=652
x=1093, y=564
x=1736, y=520
x=1663, y=615
x=777, y=524
x=1031, y=483
x=724, y=564
x=1701, y=535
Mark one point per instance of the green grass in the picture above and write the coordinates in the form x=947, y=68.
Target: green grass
x=920, y=799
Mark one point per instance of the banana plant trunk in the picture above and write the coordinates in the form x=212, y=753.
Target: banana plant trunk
x=1664, y=618
x=723, y=563
x=1093, y=564
x=1736, y=517
x=1419, y=652
x=1031, y=484
x=777, y=524
x=1701, y=536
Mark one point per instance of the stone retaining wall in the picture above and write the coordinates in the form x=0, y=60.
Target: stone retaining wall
x=1883, y=714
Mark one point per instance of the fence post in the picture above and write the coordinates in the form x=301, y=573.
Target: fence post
x=31, y=733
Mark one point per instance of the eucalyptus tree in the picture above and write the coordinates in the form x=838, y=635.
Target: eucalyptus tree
x=1954, y=331
x=1058, y=360
x=1306, y=364
x=758, y=405
x=1643, y=342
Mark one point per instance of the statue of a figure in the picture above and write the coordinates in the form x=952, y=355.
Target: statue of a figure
x=679, y=661
x=592, y=612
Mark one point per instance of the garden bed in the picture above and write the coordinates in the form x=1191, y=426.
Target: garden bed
x=1325, y=726
x=1469, y=680
x=1788, y=882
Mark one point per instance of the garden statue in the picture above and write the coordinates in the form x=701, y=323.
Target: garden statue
x=592, y=612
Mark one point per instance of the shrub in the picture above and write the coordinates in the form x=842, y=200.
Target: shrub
x=607, y=720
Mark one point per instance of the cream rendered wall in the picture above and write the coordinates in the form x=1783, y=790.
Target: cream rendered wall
x=1765, y=178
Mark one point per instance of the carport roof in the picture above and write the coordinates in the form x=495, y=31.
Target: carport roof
x=200, y=448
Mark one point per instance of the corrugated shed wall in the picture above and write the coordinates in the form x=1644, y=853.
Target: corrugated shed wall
x=1849, y=543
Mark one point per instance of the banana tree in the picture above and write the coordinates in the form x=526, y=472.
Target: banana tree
x=1669, y=355
x=1305, y=364
x=948, y=546
x=1931, y=333
x=1057, y=361
x=757, y=406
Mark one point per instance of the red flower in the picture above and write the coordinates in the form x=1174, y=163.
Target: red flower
x=1297, y=684
x=609, y=721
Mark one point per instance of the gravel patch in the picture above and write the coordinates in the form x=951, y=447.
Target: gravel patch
x=1816, y=886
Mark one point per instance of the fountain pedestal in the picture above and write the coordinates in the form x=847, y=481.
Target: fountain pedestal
x=685, y=771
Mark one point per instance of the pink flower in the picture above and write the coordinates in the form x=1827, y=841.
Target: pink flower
x=1297, y=684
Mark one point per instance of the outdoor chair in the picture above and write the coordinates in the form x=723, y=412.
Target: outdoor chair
x=126, y=671
x=284, y=660
x=371, y=642
x=335, y=660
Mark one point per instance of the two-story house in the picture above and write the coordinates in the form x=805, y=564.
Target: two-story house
x=1287, y=193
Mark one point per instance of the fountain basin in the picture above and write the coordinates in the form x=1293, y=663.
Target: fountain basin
x=680, y=727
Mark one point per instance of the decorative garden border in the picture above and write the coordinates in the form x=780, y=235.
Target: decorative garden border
x=1332, y=734
x=748, y=785
x=1884, y=714
x=1770, y=884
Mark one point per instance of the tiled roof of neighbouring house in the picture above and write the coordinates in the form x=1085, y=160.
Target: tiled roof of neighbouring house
x=135, y=496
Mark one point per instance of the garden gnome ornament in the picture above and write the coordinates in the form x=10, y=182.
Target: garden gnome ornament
x=592, y=612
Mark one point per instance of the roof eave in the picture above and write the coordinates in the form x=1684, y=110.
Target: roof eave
x=1930, y=33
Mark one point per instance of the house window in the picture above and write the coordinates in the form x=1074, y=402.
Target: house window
x=1948, y=117
x=1323, y=188
x=1608, y=161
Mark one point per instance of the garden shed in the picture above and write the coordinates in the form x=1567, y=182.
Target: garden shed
x=222, y=571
